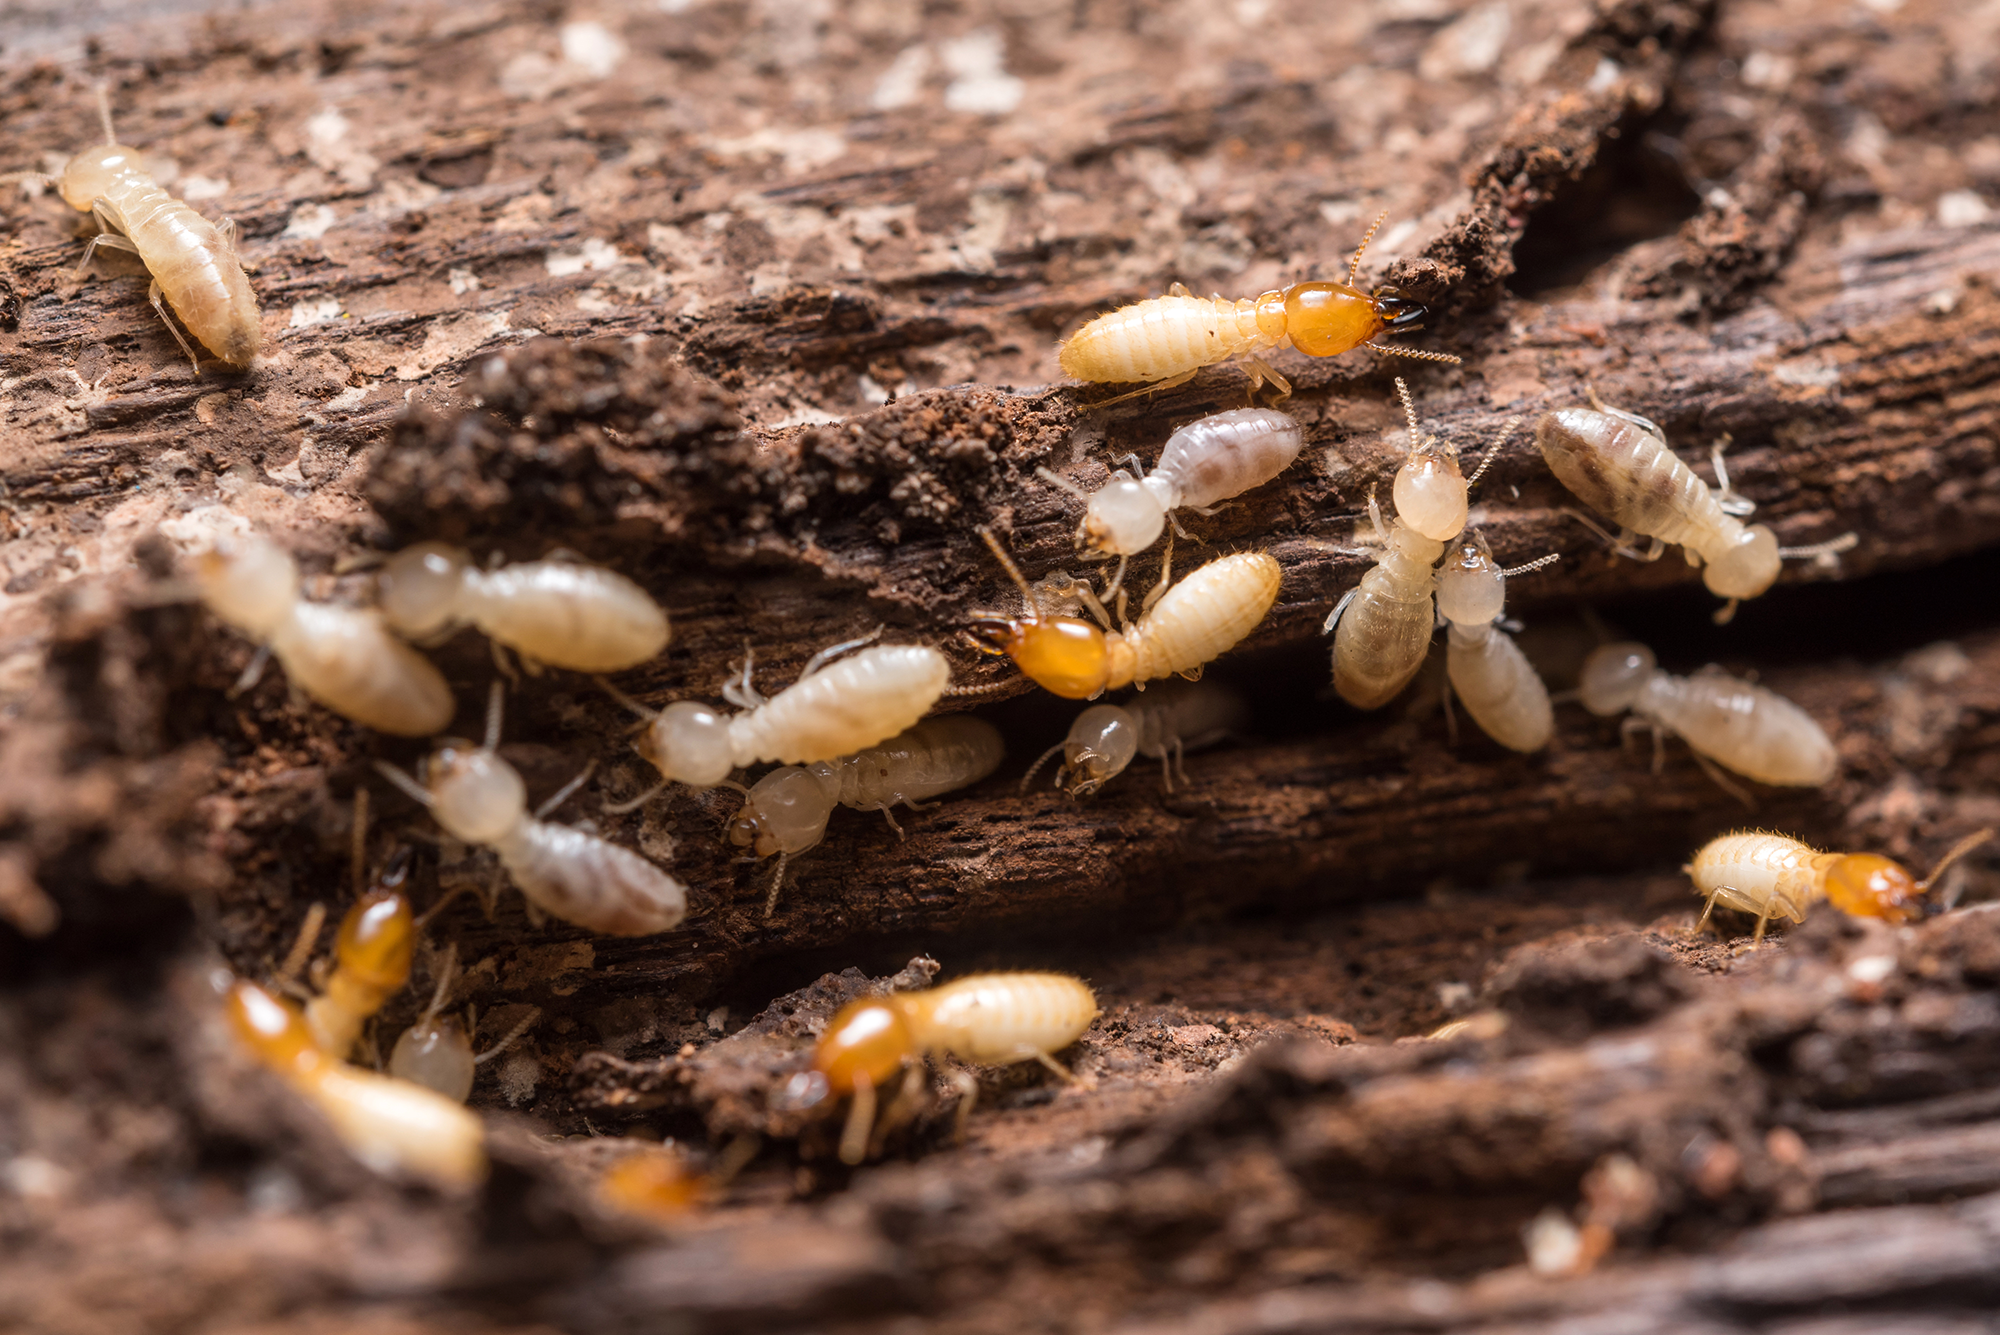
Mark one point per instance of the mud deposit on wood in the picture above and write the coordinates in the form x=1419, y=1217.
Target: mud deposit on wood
x=757, y=303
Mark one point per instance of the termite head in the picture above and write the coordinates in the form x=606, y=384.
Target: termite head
x=1065, y=656
x=251, y=583
x=377, y=939
x=1124, y=517
x=475, y=795
x=785, y=812
x=419, y=586
x=866, y=1041
x=88, y=176
x=1101, y=743
x=275, y=1032
x=1614, y=675
x=1868, y=885
x=688, y=742
x=1397, y=311
x=1747, y=568
x=436, y=1054
x=1326, y=319
x=1470, y=588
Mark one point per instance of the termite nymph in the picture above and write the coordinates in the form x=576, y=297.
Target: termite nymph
x=193, y=262
x=569, y=873
x=1746, y=728
x=785, y=813
x=390, y=1125
x=563, y=613
x=436, y=1052
x=1620, y=465
x=991, y=1018
x=1190, y=624
x=343, y=657
x=1165, y=340
x=833, y=709
x=1492, y=677
x=1206, y=462
x=1163, y=724
x=1774, y=876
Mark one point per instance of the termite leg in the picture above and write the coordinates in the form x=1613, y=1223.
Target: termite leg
x=1763, y=921
x=1722, y=781
x=738, y=691
x=1709, y=908
x=159, y=304
x=503, y=663
x=1117, y=581
x=1725, y=495
x=302, y=944
x=1727, y=612
x=251, y=673
x=413, y=790
x=967, y=1085
x=1159, y=591
x=900, y=1109
x=1062, y=1072
x=1262, y=374
x=107, y=240
x=1450, y=715
x=889, y=816
x=563, y=794
x=1158, y=385
x=1333, y=617
x=860, y=1120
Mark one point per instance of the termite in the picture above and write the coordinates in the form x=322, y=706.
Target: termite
x=569, y=873
x=1620, y=465
x=1163, y=724
x=1491, y=676
x=1746, y=728
x=1165, y=340
x=1206, y=462
x=563, y=613
x=1774, y=876
x=193, y=262
x=988, y=1018
x=436, y=1053
x=785, y=812
x=343, y=657
x=1192, y=623
x=1382, y=627
x=390, y=1125
x=830, y=711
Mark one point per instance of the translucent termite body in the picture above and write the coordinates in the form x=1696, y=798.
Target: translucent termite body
x=1382, y=628
x=1491, y=676
x=371, y=964
x=343, y=657
x=1204, y=463
x=1742, y=727
x=193, y=262
x=1774, y=876
x=390, y=1125
x=786, y=811
x=1430, y=490
x=1192, y=623
x=435, y=1051
x=830, y=711
x=1163, y=724
x=571, y=874
x=563, y=613
x=1164, y=340
x=990, y=1018
x=1620, y=465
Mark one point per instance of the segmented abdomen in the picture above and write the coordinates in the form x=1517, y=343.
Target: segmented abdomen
x=1002, y=1017
x=566, y=615
x=1756, y=872
x=934, y=757
x=1744, y=727
x=1203, y=616
x=197, y=270
x=1162, y=337
x=1499, y=687
x=850, y=704
x=580, y=878
x=345, y=658
x=1628, y=474
x=1382, y=638
x=1218, y=457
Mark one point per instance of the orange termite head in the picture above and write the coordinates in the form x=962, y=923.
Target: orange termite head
x=275, y=1032
x=866, y=1042
x=1868, y=885
x=1065, y=656
x=377, y=939
x=657, y=1184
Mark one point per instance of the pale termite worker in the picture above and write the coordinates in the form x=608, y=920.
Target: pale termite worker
x=343, y=657
x=1163, y=724
x=1190, y=624
x=436, y=1053
x=569, y=873
x=1206, y=462
x=390, y=1125
x=1491, y=676
x=832, y=710
x=1620, y=465
x=193, y=262
x=563, y=613
x=1165, y=340
x=1774, y=876
x=988, y=1018
x=785, y=812
x=1742, y=727
x=1382, y=627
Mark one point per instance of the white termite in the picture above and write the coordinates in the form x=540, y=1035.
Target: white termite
x=832, y=710
x=1742, y=727
x=1491, y=676
x=193, y=262
x=1203, y=464
x=343, y=657
x=569, y=873
x=1163, y=724
x=1382, y=627
x=1776, y=876
x=786, y=812
x=436, y=1053
x=1620, y=465
x=563, y=613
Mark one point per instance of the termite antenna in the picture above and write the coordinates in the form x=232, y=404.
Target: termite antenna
x=1062, y=483
x=302, y=946
x=513, y=1036
x=104, y=111
x=1846, y=542
x=1354, y=266
x=1036, y=768
x=1535, y=564
x=1013, y=573
x=1958, y=850
x=415, y=791
x=357, y=853
x=496, y=698
x=981, y=690
x=1418, y=353
x=1409, y=414
x=447, y=974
